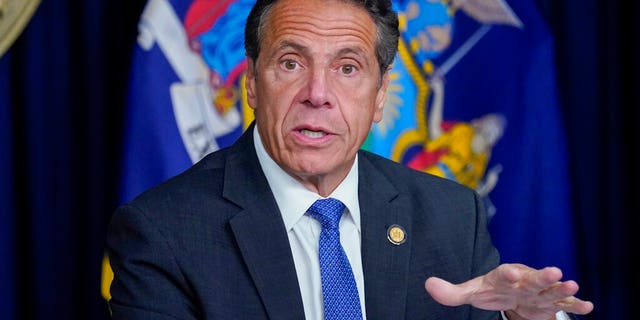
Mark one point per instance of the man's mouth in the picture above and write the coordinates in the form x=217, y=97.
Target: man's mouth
x=313, y=134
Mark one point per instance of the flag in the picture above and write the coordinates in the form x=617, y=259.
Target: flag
x=186, y=94
x=473, y=98
x=185, y=97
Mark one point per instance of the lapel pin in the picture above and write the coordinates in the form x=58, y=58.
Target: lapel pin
x=396, y=234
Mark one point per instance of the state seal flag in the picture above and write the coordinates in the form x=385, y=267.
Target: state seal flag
x=186, y=94
x=185, y=97
x=473, y=98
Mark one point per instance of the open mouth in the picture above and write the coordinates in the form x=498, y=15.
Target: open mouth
x=313, y=134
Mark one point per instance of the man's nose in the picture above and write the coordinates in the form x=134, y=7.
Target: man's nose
x=318, y=86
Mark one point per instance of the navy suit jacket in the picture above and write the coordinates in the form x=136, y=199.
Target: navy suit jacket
x=210, y=243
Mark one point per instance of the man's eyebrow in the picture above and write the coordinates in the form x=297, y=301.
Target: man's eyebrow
x=303, y=49
x=289, y=44
x=351, y=50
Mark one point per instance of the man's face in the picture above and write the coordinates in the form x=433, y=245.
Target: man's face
x=314, y=88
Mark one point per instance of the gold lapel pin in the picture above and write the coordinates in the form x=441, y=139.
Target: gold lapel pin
x=396, y=234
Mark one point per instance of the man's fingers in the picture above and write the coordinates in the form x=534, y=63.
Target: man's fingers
x=547, y=277
x=560, y=290
x=527, y=292
x=445, y=292
x=523, y=275
x=574, y=305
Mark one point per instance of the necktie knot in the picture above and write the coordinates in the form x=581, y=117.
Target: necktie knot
x=327, y=211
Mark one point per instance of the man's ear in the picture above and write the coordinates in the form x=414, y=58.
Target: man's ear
x=381, y=97
x=250, y=83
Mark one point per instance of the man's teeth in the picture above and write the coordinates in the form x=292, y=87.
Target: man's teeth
x=313, y=134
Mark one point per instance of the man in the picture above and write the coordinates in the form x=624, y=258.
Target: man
x=233, y=237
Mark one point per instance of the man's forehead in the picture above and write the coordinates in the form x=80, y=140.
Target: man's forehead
x=319, y=10
x=316, y=20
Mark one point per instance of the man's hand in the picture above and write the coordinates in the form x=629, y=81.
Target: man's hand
x=523, y=292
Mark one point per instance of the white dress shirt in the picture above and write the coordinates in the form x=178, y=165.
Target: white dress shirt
x=304, y=232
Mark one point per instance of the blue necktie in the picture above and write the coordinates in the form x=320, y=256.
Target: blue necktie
x=339, y=290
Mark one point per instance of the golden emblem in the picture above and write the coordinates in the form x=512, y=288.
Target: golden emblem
x=396, y=234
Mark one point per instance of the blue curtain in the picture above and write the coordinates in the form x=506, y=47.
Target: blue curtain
x=7, y=218
x=63, y=99
x=599, y=74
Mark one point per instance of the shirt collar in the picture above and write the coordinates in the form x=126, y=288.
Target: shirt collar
x=294, y=199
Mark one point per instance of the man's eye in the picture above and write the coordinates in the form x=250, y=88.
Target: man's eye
x=290, y=64
x=347, y=69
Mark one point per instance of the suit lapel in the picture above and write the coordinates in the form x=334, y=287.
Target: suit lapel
x=385, y=264
x=261, y=234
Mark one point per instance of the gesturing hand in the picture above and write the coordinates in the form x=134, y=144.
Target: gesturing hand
x=523, y=292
